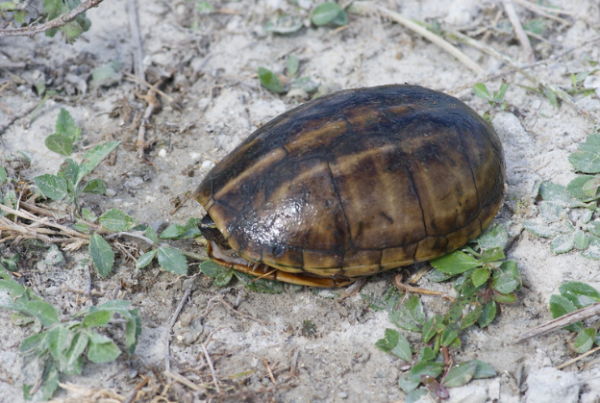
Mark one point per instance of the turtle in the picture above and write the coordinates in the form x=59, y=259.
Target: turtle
x=354, y=183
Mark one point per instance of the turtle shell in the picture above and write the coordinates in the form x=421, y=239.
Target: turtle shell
x=357, y=182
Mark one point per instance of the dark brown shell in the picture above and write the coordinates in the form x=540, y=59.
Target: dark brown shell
x=358, y=182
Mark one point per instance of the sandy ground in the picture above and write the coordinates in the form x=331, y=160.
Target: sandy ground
x=211, y=62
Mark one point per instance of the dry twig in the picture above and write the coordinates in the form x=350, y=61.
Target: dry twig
x=565, y=320
x=59, y=21
x=521, y=35
x=188, y=291
x=212, y=369
x=365, y=7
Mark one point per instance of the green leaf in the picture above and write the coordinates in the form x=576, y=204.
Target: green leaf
x=95, y=186
x=488, y=314
x=449, y=335
x=58, y=338
x=492, y=255
x=396, y=344
x=584, y=340
x=455, y=263
x=507, y=279
x=407, y=385
x=284, y=24
x=51, y=186
x=269, y=80
x=73, y=359
x=97, y=318
x=223, y=278
x=426, y=354
x=460, y=375
x=499, y=96
x=258, y=284
x=494, y=236
x=432, y=369
x=72, y=31
x=102, y=349
x=583, y=187
x=151, y=234
x=42, y=310
x=581, y=239
x=329, y=12
x=292, y=65
x=540, y=230
x=60, y=144
x=409, y=315
x=562, y=243
x=133, y=330
x=481, y=91
x=480, y=276
x=212, y=269
x=116, y=220
x=431, y=327
x=556, y=193
x=102, y=255
x=471, y=318
x=171, y=260
x=176, y=231
x=145, y=259
x=65, y=126
x=88, y=215
x=505, y=298
x=483, y=370
x=580, y=294
x=93, y=157
x=3, y=175
x=416, y=395
x=590, y=187
x=591, y=144
x=593, y=250
x=585, y=161
x=560, y=306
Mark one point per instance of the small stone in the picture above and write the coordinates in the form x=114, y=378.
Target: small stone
x=342, y=395
x=206, y=165
x=110, y=193
x=162, y=153
x=550, y=384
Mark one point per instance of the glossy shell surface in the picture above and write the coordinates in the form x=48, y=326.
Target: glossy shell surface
x=357, y=182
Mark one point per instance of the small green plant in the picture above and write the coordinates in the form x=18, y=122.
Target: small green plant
x=569, y=214
x=495, y=101
x=577, y=80
x=59, y=346
x=273, y=83
x=482, y=280
x=574, y=296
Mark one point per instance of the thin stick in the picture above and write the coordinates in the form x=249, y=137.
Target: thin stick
x=138, y=80
x=184, y=381
x=418, y=290
x=172, y=323
x=28, y=216
x=365, y=7
x=59, y=21
x=565, y=320
x=136, y=41
x=212, y=369
x=544, y=11
x=521, y=35
x=538, y=83
x=269, y=370
x=133, y=394
x=574, y=360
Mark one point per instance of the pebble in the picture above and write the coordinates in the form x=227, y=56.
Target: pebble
x=110, y=193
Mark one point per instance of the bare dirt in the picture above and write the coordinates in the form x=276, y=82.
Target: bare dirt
x=209, y=63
